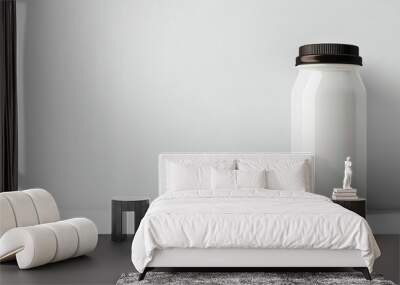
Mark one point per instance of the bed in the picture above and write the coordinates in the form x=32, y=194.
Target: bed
x=247, y=210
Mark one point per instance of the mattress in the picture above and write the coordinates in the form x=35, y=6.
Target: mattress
x=250, y=219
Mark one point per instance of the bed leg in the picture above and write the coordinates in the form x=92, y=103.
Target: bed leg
x=142, y=275
x=364, y=271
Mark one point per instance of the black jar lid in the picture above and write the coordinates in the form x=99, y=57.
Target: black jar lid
x=328, y=53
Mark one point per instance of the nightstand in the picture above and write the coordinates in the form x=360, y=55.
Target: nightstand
x=121, y=204
x=356, y=205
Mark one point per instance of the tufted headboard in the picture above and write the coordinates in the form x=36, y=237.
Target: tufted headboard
x=204, y=158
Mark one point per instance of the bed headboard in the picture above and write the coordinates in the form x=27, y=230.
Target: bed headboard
x=217, y=156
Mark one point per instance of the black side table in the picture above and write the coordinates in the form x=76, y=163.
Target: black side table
x=356, y=205
x=122, y=204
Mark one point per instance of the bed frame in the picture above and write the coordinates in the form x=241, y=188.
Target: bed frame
x=236, y=259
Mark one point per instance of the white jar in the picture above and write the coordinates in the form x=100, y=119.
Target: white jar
x=329, y=114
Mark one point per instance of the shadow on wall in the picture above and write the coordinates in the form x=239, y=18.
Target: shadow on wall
x=50, y=131
x=21, y=30
x=49, y=135
x=383, y=138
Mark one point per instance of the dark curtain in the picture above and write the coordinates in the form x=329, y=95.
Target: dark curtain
x=8, y=92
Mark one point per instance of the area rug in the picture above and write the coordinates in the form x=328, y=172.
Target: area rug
x=269, y=278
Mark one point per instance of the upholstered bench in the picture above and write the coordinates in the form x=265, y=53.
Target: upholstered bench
x=31, y=230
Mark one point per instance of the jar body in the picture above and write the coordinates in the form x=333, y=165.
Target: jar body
x=329, y=120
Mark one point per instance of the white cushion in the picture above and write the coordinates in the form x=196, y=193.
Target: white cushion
x=188, y=177
x=45, y=205
x=87, y=233
x=23, y=208
x=40, y=244
x=237, y=179
x=31, y=233
x=223, y=179
x=27, y=208
x=7, y=220
x=186, y=174
x=251, y=178
x=67, y=239
x=283, y=174
x=32, y=246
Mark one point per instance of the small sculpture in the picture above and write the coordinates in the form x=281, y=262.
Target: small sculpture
x=348, y=172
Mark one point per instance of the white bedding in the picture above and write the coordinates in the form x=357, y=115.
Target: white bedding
x=250, y=218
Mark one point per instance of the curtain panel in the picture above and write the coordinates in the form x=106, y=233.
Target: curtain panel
x=8, y=97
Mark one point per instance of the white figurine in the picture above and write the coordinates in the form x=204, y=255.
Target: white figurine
x=348, y=172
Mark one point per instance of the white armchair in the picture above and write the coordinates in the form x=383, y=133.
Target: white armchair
x=31, y=230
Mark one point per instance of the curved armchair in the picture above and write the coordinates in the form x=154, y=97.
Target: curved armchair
x=32, y=233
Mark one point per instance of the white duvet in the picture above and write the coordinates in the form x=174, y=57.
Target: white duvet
x=250, y=218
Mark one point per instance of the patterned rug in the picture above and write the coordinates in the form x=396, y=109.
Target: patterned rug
x=269, y=278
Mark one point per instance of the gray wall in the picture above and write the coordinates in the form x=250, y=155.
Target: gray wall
x=104, y=86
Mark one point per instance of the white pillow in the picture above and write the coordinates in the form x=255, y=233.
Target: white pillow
x=223, y=179
x=251, y=178
x=289, y=179
x=189, y=175
x=236, y=179
x=282, y=174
